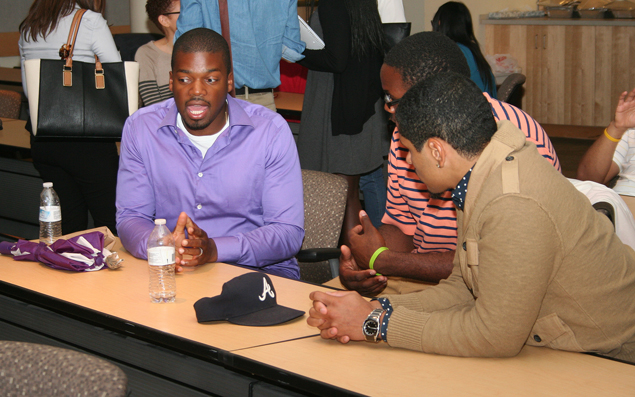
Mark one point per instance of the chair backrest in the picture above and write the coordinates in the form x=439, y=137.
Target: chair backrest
x=324, y=205
x=40, y=370
x=395, y=32
x=129, y=43
x=608, y=202
x=510, y=91
x=10, y=102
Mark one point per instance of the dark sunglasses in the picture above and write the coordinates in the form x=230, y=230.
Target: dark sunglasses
x=389, y=101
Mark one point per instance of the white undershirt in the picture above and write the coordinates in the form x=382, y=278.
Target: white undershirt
x=202, y=143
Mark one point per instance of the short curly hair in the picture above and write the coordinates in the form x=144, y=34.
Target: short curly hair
x=424, y=55
x=448, y=106
x=156, y=8
x=202, y=40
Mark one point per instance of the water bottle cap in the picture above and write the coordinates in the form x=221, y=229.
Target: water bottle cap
x=159, y=221
x=47, y=184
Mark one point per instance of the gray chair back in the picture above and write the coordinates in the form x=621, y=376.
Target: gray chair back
x=510, y=91
x=324, y=205
x=39, y=370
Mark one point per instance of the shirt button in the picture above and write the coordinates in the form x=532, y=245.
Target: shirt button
x=199, y=206
x=537, y=338
x=509, y=158
x=200, y=174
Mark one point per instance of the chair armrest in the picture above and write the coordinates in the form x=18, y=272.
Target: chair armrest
x=318, y=254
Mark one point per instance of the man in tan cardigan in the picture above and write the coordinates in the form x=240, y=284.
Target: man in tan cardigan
x=535, y=263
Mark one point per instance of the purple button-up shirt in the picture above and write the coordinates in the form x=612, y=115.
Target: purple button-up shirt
x=246, y=193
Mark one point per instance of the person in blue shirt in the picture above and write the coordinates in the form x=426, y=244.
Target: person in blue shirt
x=454, y=20
x=262, y=32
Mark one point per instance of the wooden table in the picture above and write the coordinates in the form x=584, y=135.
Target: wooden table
x=384, y=371
x=289, y=101
x=13, y=134
x=123, y=294
x=109, y=313
x=10, y=76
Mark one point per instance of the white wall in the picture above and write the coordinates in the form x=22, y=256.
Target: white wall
x=421, y=12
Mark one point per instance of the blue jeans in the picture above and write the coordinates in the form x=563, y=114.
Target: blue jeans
x=373, y=186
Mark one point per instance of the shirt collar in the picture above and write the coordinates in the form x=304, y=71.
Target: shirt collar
x=236, y=114
x=460, y=191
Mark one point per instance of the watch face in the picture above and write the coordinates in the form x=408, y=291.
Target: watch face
x=371, y=327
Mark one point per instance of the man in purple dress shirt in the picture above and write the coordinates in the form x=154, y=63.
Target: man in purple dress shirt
x=224, y=173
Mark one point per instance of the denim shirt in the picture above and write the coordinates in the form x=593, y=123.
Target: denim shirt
x=262, y=32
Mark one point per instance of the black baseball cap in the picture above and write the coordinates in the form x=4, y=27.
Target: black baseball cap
x=249, y=299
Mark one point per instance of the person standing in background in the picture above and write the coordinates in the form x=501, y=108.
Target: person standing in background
x=154, y=57
x=454, y=20
x=262, y=32
x=391, y=11
x=84, y=173
x=343, y=127
x=373, y=184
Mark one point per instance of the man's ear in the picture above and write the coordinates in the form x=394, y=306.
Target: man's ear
x=437, y=149
x=230, y=81
x=171, y=82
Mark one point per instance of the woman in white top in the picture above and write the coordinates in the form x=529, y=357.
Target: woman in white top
x=84, y=174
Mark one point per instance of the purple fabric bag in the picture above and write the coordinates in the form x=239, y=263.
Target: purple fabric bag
x=83, y=253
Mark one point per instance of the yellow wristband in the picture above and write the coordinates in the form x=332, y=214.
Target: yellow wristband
x=375, y=255
x=610, y=138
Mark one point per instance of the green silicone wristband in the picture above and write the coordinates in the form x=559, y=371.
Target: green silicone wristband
x=375, y=255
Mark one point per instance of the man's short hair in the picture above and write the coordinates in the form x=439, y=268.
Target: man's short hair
x=448, y=106
x=425, y=54
x=202, y=40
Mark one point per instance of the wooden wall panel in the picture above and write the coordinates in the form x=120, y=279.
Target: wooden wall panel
x=552, y=81
x=9, y=40
x=533, y=86
x=9, y=44
x=579, y=81
x=603, y=70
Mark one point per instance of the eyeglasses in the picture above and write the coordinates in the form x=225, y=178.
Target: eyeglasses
x=171, y=13
x=389, y=101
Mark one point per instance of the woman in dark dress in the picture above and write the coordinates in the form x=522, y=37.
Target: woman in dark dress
x=343, y=127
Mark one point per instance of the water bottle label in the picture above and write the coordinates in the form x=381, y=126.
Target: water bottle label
x=50, y=214
x=161, y=256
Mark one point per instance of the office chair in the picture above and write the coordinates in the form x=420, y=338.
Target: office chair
x=324, y=205
x=10, y=102
x=39, y=370
x=606, y=201
x=129, y=43
x=511, y=89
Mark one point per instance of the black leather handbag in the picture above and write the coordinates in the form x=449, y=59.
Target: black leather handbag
x=79, y=99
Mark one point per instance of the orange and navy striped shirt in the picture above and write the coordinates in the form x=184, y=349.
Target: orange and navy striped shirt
x=432, y=221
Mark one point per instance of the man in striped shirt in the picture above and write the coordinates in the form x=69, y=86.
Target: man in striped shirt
x=419, y=228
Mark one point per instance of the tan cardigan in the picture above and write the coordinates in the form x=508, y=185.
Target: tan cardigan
x=535, y=264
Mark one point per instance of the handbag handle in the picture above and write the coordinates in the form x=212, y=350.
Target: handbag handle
x=66, y=53
x=224, y=26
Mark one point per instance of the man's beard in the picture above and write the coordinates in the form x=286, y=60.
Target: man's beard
x=197, y=125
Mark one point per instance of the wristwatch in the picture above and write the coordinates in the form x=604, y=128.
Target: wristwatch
x=371, y=325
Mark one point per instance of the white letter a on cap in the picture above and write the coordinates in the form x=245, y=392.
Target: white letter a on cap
x=266, y=289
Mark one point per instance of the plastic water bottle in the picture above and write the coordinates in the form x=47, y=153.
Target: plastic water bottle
x=161, y=256
x=50, y=214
